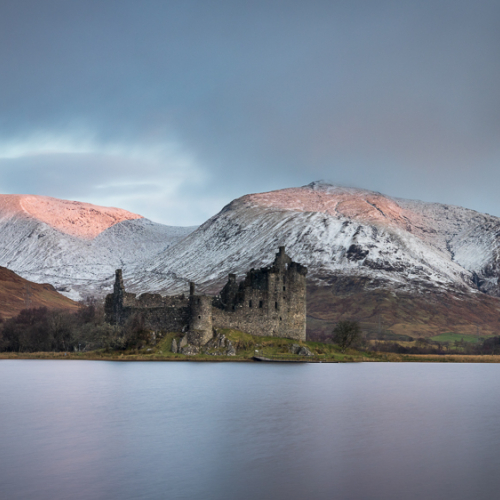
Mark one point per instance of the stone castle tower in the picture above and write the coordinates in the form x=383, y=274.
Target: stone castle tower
x=270, y=301
x=200, y=317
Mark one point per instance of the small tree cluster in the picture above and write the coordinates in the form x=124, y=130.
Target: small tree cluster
x=41, y=329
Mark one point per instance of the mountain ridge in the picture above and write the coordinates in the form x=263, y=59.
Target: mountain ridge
x=307, y=230
x=375, y=246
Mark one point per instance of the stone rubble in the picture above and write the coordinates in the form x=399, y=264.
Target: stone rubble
x=300, y=350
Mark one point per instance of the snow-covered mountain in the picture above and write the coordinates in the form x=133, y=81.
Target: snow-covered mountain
x=414, y=267
x=400, y=244
x=76, y=246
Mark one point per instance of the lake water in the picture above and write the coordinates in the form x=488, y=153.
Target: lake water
x=117, y=430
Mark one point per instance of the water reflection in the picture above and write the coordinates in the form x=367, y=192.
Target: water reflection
x=80, y=430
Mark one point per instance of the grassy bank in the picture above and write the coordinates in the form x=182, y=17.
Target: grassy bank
x=247, y=347
x=348, y=357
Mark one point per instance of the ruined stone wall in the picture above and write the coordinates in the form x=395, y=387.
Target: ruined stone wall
x=166, y=319
x=153, y=300
x=157, y=312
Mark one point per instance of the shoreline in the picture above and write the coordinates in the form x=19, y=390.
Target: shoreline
x=134, y=358
x=350, y=358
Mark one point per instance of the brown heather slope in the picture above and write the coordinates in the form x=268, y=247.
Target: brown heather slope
x=423, y=315
x=16, y=291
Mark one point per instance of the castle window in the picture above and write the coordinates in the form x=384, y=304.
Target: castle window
x=280, y=318
x=276, y=305
x=199, y=317
x=198, y=301
x=284, y=288
x=250, y=303
x=261, y=304
x=233, y=308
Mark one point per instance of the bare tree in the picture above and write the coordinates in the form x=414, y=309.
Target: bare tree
x=346, y=334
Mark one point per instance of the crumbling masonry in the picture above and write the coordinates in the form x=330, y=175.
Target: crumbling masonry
x=270, y=301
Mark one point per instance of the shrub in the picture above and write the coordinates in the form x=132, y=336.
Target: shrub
x=346, y=334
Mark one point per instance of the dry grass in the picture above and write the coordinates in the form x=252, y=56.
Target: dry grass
x=14, y=291
x=427, y=315
x=453, y=358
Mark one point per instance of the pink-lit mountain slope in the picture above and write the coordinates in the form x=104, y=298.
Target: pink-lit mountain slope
x=350, y=239
x=75, y=246
x=82, y=220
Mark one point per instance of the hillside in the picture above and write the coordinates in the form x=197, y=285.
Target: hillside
x=430, y=261
x=16, y=293
x=76, y=246
x=380, y=310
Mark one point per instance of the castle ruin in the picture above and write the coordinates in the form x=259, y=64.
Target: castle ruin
x=270, y=301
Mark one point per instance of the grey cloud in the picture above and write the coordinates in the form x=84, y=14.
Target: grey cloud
x=148, y=187
x=400, y=97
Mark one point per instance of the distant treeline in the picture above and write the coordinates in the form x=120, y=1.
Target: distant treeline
x=490, y=345
x=41, y=329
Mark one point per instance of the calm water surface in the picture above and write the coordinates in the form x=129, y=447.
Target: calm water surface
x=111, y=430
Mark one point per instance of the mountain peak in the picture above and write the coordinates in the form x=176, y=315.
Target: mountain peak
x=330, y=188
x=75, y=218
x=337, y=201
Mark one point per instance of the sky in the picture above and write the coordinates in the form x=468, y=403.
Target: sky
x=171, y=109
